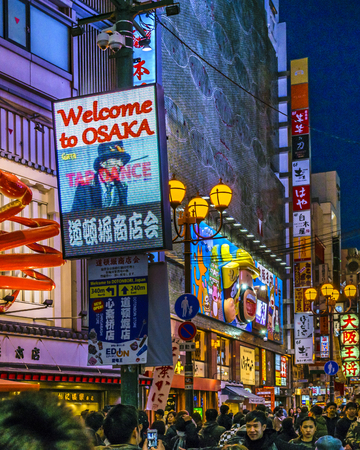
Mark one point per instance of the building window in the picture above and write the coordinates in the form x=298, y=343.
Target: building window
x=223, y=358
x=16, y=22
x=200, y=364
x=36, y=31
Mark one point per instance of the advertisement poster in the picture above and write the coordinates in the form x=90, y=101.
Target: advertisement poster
x=300, y=122
x=304, y=351
x=301, y=198
x=302, y=274
x=300, y=147
x=109, y=151
x=233, y=288
x=247, y=365
x=118, y=310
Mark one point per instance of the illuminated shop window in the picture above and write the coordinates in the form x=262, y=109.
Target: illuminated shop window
x=223, y=358
x=200, y=354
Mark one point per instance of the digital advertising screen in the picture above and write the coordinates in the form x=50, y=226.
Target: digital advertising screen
x=233, y=288
x=112, y=172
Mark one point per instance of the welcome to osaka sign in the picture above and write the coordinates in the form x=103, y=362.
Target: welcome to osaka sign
x=112, y=172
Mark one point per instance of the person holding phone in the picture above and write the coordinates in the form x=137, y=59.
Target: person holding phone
x=121, y=429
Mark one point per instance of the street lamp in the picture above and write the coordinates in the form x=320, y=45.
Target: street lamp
x=331, y=295
x=186, y=225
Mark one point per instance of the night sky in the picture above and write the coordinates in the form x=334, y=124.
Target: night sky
x=328, y=33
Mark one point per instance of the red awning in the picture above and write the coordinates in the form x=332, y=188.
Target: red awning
x=16, y=386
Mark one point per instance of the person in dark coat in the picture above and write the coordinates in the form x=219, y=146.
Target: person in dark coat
x=343, y=424
x=321, y=427
x=331, y=418
x=304, y=413
x=93, y=422
x=287, y=431
x=187, y=436
x=211, y=431
x=224, y=419
x=171, y=431
x=105, y=188
x=159, y=425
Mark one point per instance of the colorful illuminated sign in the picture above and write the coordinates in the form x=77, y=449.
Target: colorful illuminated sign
x=263, y=365
x=324, y=347
x=349, y=338
x=351, y=368
x=247, y=365
x=231, y=287
x=112, y=167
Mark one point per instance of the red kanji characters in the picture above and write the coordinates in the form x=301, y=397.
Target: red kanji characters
x=351, y=369
x=350, y=337
x=140, y=70
x=349, y=321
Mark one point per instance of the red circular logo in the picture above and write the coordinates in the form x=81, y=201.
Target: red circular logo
x=98, y=305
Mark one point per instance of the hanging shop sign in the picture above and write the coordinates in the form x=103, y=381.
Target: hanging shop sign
x=233, y=288
x=304, y=351
x=112, y=172
x=301, y=303
x=349, y=325
x=324, y=347
x=301, y=223
x=118, y=310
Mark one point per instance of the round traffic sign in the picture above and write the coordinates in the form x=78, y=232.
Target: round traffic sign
x=331, y=368
x=187, y=331
x=187, y=306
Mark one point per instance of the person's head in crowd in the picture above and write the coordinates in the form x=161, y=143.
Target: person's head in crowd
x=224, y=409
x=287, y=424
x=170, y=418
x=94, y=420
x=197, y=418
x=181, y=413
x=143, y=424
x=316, y=411
x=238, y=416
x=331, y=409
x=304, y=410
x=159, y=414
x=261, y=407
x=181, y=422
x=121, y=425
x=291, y=412
x=279, y=413
x=211, y=415
x=34, y=420
x=83, y=415
x=328, y=443
x=298, y=410
x=276, y=409
x=281, y=406
x=351, y=410
x=158, y=425
x=245, y=411
x=255, y=422
x=307, y=429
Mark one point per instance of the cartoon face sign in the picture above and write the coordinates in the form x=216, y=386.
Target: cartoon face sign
x=245, y=277
x=229, y=310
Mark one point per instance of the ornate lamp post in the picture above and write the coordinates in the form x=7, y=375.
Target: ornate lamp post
x=331, y=296
x=186, y=224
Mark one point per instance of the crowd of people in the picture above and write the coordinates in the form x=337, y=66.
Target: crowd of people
x=37, y=421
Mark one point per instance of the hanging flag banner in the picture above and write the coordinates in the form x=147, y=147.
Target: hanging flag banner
x=118, y=310
x=162, y=379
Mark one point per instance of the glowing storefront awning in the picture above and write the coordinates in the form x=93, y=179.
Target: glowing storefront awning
x=238, y=393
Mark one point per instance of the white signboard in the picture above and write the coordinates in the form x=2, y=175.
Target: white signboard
x=301, y=172
x=162, y=379
x=304, y=351
x=302, y=223
x=304, y=325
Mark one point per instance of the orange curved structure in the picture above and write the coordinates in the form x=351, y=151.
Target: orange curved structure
x=39, y=229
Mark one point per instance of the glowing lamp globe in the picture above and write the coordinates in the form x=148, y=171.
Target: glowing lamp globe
x=220, y=196
x=177, y=191
x=350, y=291
x=327, y=289
x=335, y=295
x=310, y=294
x=198, y=208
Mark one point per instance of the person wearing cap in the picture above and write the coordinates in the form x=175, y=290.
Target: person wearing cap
x=342, y=427
x=328, y=443
x=321, y=427
x=105, y=188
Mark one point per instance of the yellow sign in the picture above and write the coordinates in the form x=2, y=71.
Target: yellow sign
x=263, y=364
x=299, y=71
x=302, y=248
x=247, y=365
x=103, y=291
x=133, y=289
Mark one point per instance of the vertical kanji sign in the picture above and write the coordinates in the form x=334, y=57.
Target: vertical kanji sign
x=162, y=379
x=350, y=352
x=118, y=310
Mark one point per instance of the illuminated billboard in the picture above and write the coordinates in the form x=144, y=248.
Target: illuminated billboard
x=112, y=172
x=235, y=289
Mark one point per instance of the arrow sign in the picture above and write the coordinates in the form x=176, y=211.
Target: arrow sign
x=111, y=290
x=124, y=290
